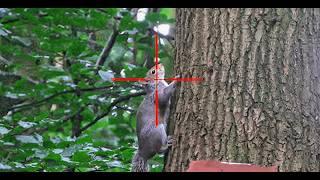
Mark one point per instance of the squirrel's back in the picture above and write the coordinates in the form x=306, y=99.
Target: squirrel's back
x=152, y=139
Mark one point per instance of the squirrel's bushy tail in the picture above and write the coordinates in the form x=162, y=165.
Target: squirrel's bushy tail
x=139, y=164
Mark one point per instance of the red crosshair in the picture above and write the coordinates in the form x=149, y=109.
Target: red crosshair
x=194, y=79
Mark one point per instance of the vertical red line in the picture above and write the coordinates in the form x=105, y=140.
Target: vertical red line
x=157, y=102
x=156, y=92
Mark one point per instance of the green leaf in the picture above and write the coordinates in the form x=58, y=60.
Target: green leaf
x=122, y=38
x=169, y=12
x=76, y=48
x=127, y=155
x=87, y=114
x=23, y=41
x=84, y=139
x=156, y=17
x=30, y=167
x=53, y=156
x=81, y=156
x=49, y=72
x=70, y=151
x=135, y=72
x=126, y=23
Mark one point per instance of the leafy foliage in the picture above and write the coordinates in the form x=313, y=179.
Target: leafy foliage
x=48, y=71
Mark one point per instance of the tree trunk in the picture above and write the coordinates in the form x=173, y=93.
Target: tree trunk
x=259, y=102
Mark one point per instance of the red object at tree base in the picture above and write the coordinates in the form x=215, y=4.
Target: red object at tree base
x=216, y=166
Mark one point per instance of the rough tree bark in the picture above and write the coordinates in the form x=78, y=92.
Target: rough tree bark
x=260, y=99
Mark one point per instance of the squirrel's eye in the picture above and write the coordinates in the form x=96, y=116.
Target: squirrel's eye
x=153, y=71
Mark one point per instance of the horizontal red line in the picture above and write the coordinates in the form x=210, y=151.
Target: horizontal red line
x=127, y=79
x=144, y=79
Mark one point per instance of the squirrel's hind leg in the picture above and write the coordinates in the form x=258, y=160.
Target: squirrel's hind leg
x=167, y=145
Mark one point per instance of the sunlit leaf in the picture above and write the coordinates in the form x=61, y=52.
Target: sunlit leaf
x=25, y=124
x=3, y=130
x=5, y=167
x=29, y=139
x=40, y=153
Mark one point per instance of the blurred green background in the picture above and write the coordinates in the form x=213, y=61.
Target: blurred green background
x=56, y=113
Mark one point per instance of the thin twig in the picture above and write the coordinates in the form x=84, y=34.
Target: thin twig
x=125, y=109
x=109, y=108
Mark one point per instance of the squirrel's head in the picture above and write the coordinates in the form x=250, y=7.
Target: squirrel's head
x=151, y=74
x=149, y=83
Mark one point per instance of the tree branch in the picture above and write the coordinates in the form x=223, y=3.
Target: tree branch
x=11, y=20
x=14, y=75
x=92, y=43
x=40, y=130
x=37, y=103
x=5, y=61
x=107, y=48
x=109, y=108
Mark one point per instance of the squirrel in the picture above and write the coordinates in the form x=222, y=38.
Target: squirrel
x=152, y=139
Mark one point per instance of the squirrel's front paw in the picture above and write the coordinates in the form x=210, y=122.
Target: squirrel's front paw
x=170, y=141
x=175, y=80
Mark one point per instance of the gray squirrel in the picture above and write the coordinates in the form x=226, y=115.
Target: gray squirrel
x=152, y=139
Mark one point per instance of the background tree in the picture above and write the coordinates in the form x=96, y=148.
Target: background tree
x=260, y=99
